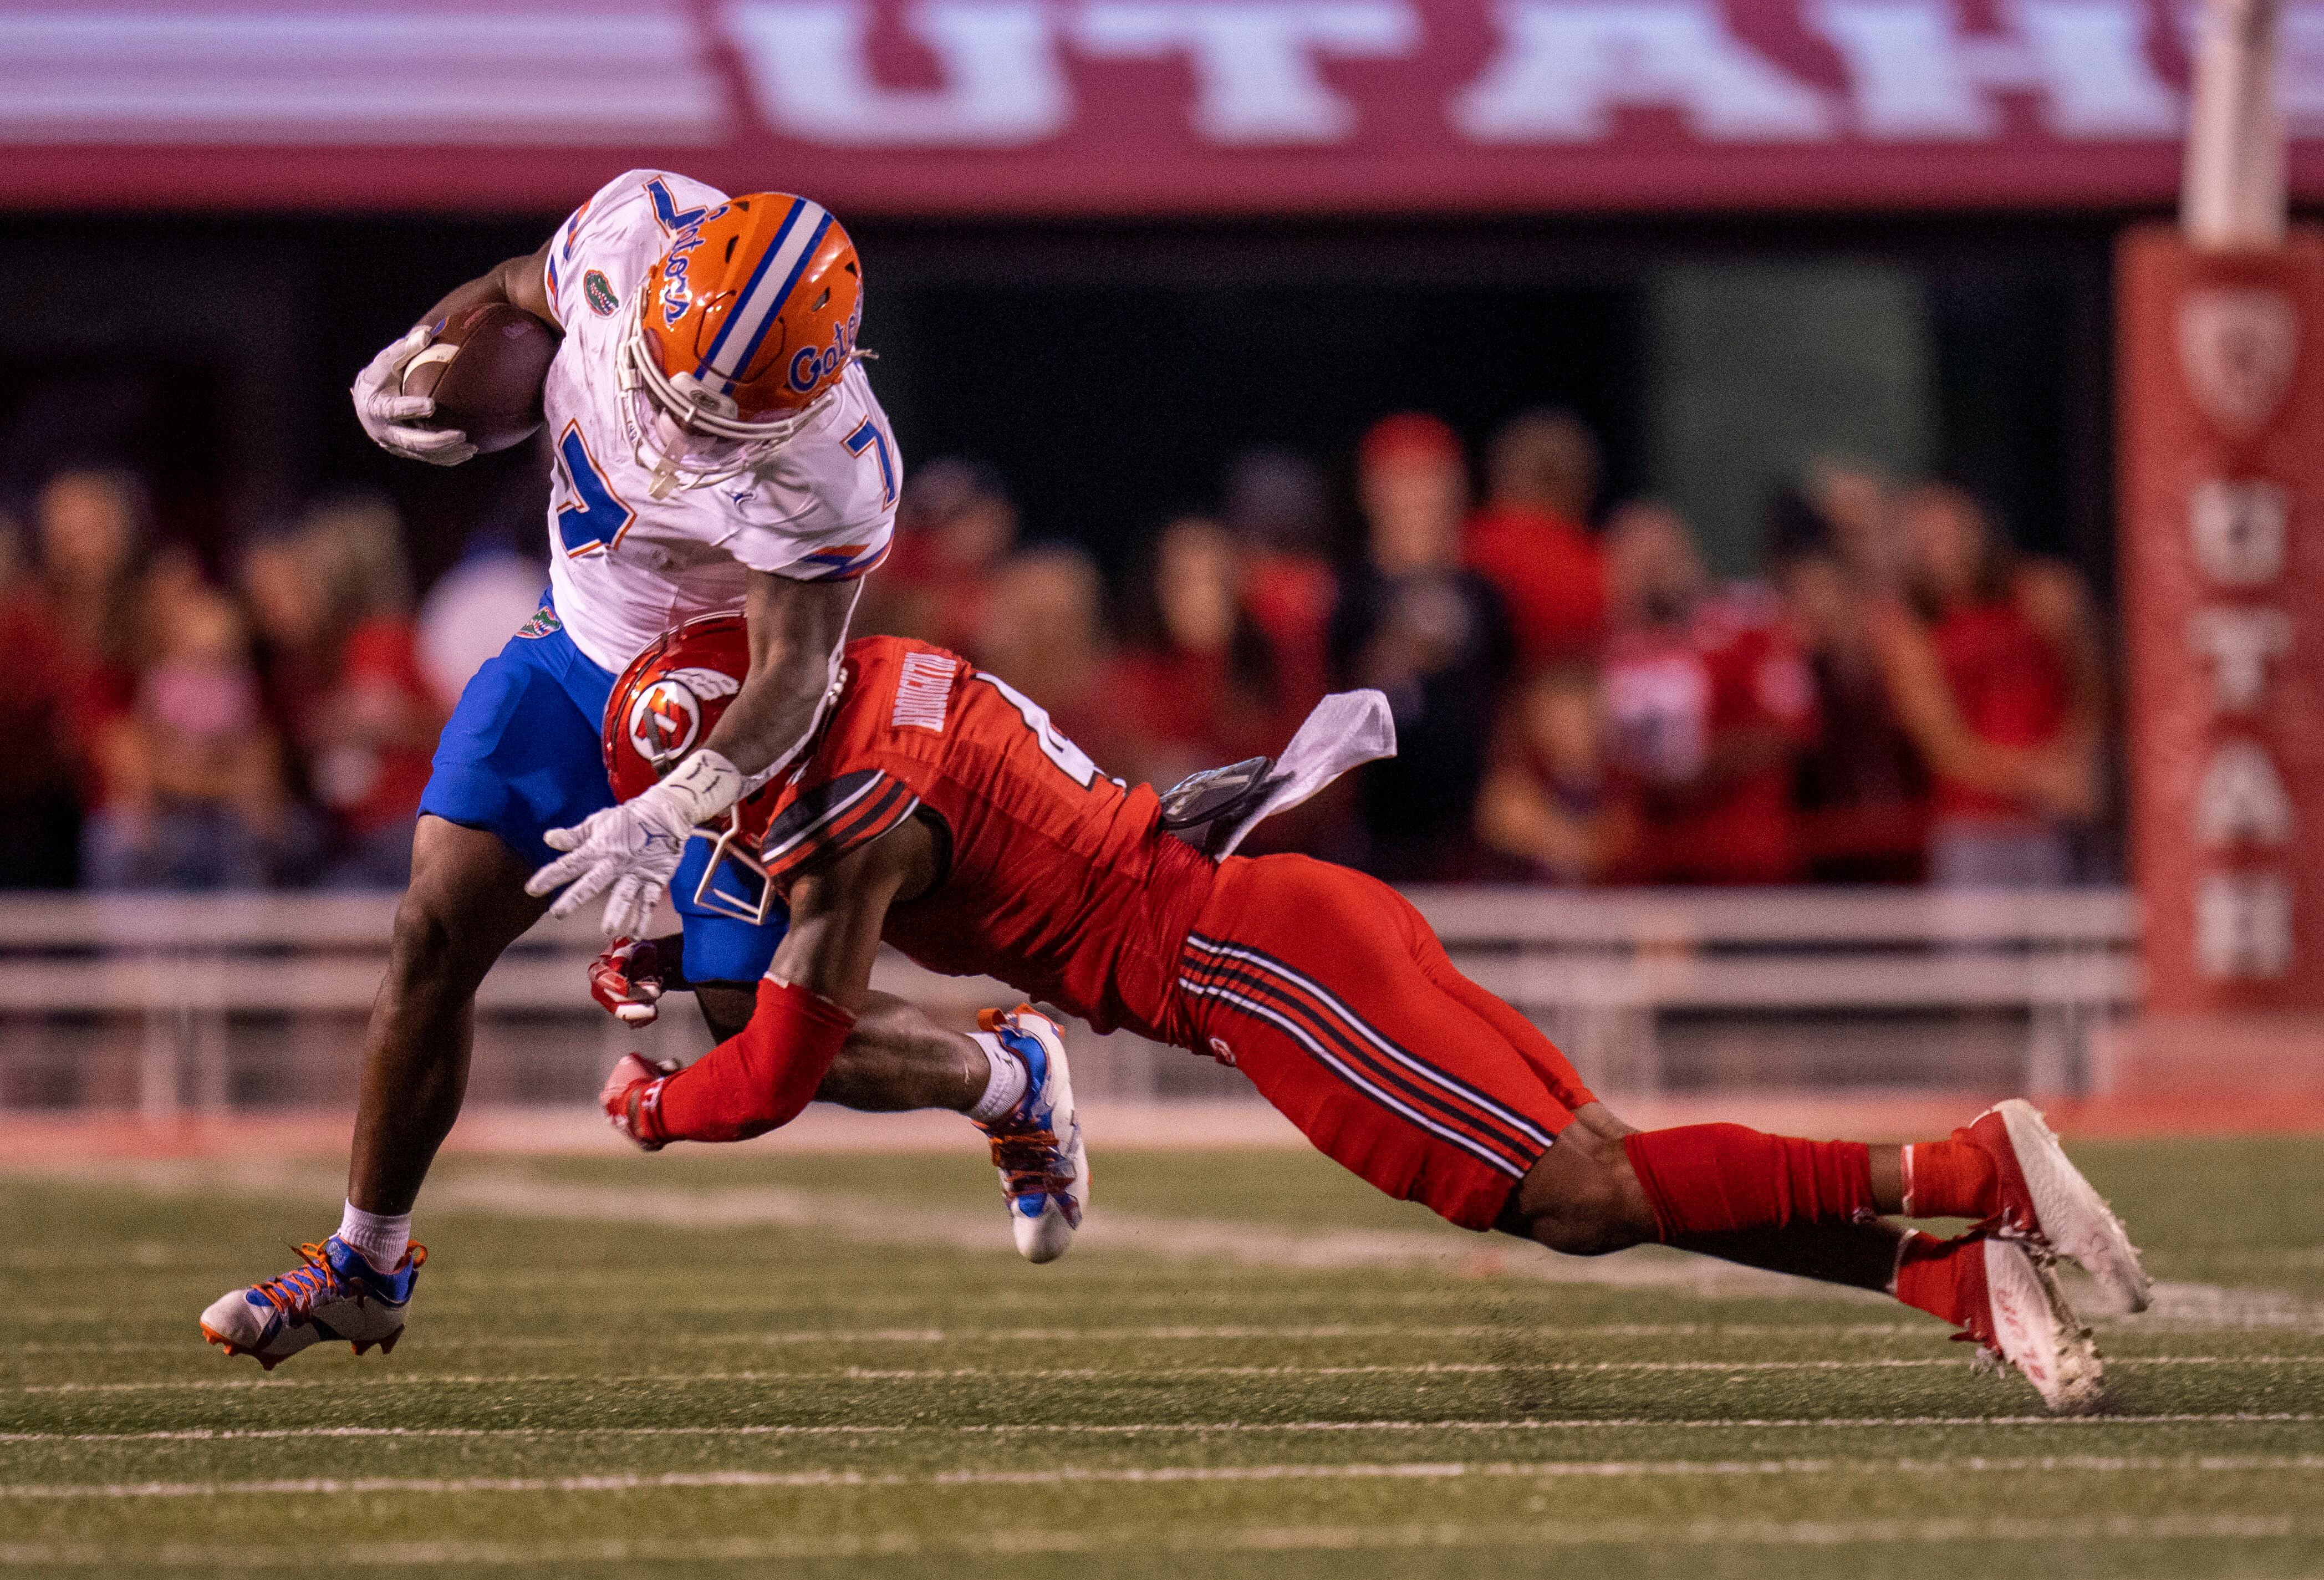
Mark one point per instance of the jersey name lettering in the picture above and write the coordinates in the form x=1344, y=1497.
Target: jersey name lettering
x=923, y=691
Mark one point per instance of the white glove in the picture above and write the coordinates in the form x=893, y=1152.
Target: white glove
x=628, y=852
x=386, y=412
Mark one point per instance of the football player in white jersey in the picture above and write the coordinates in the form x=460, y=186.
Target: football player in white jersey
x=716, y=448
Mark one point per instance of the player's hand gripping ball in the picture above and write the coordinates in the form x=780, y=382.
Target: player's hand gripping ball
x=393, y=419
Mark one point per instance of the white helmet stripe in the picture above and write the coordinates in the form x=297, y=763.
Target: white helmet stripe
x=770, y=284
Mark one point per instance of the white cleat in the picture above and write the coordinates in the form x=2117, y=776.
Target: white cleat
x=2027, y=1324
x=1037, y=1146
x=332, y=1294
x=2045, y=1199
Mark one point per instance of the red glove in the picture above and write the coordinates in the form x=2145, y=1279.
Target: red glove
x=627, y=980
x=632, y=1094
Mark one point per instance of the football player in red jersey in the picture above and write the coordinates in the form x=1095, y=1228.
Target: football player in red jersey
x=939, y=810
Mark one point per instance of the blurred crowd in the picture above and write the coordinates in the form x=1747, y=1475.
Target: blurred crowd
x=1900, y=696
x=170, y=729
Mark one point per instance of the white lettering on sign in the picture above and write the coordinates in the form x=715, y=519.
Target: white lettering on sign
x=1003, y=83
x=2238, y=530
x=2239, y=642
x=1916, y=74
x=1255, y=61
x=1564, y=69
x=2242, y=800
x=2243, y=926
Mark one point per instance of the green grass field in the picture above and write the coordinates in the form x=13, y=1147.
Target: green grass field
x=740, y=1362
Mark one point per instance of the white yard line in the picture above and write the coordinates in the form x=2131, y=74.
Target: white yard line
x=1084, y=1373
x=2046, y=1533
x=868, y=1220
x=1141, y=1428
x=1613, y=1469
x=1517, y=1331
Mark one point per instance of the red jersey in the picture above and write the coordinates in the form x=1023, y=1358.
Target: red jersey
x=2010, y=686
x=1551, y=576
x=1674, y=696
x=1058, y=879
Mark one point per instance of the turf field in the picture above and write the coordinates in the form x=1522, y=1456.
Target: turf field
x=746, y=1363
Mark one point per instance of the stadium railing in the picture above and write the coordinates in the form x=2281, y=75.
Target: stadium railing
x=162, y=1003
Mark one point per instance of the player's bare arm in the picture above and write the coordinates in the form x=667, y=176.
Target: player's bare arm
x=521, y=281
x=796, y=630
x=838, y=910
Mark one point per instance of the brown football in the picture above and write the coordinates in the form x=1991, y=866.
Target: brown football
x=485, y=369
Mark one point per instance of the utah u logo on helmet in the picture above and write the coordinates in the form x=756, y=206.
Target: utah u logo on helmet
x=671, y=695
x=747, y=324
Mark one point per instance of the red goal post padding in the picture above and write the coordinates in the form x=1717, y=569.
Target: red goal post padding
x=2220, y=370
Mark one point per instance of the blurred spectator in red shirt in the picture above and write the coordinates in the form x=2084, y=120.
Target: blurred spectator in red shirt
x=333, y=600
x=1412, y=622
x=1041, y=632
x=956, y=524
x=1709, y=704
x=1994, y=666
x=40, y=796
x=92, y=528
x=193, y=772
x=1549, y=801
x=1532, y=540
x=1198, y=687
x=1275, y=508
x=1862, y=790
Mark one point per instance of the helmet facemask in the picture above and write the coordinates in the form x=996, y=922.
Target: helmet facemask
x=687, y=433
x=734, y=882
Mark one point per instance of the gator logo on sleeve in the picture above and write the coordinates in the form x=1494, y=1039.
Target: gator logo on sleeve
x=599, y=291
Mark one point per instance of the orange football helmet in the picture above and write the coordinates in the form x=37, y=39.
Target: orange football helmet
x=744, y=326
x=665, y=703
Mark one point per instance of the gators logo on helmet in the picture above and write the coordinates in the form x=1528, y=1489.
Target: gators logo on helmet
x=745, y=325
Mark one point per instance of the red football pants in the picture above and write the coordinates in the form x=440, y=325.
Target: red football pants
x=1328, y=991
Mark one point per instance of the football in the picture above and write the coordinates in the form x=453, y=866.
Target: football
x=485, y=369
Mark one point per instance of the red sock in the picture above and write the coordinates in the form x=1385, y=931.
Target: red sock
x=1953, y=1178
x=1715, y=1179
x=1938, y=1277
x=756, y=1079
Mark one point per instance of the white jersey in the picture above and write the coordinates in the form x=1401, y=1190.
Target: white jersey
x=624, y=567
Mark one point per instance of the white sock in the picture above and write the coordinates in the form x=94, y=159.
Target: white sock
x=382, y=1237
x=1009, y=1078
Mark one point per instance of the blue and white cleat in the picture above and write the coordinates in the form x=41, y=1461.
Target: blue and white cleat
x=333, y=1294
x=1037, y=1146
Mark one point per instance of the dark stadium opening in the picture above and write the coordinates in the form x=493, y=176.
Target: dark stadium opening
x=1111, y=373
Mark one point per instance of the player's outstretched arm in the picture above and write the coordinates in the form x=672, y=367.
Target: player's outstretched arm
x=628, y=852
x=808, y=1003
x=390, y=416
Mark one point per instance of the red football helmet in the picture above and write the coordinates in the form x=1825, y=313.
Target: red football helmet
x=741, y=329
x=662, y=707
